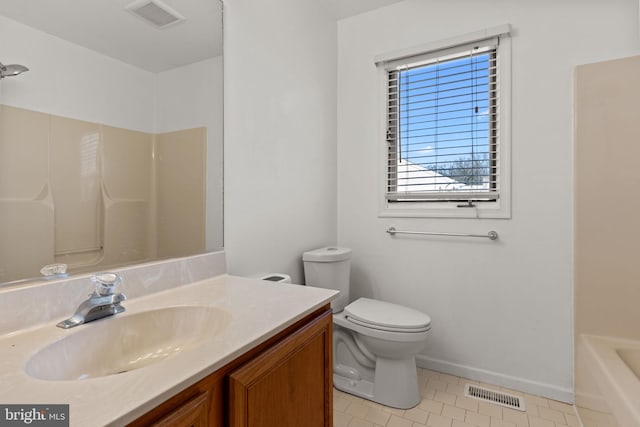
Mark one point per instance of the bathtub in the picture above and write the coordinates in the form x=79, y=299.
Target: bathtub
x=614, y=363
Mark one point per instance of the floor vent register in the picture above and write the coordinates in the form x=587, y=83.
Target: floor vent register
x=495, y=397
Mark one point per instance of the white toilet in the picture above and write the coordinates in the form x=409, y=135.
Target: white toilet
x=374, y=342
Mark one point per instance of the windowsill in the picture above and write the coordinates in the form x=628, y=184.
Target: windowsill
x=484, y=210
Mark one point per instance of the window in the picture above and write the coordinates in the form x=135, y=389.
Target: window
x=446, y=129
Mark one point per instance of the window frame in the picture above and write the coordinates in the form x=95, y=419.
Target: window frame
x=498, y=208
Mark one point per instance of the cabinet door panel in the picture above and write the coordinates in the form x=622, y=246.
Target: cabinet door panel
x=289, y=385
x=191, y=414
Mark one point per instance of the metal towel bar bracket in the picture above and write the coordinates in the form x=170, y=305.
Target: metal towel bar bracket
x=492, y=235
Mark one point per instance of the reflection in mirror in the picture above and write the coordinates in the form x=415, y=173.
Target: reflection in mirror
x=110, y=134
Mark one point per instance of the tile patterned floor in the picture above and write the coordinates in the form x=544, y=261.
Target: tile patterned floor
x=444, y=405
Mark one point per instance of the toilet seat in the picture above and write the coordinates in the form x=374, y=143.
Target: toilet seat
x=386, y=316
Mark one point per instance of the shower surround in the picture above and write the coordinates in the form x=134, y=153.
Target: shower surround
x=91, y=196
x=606, y=234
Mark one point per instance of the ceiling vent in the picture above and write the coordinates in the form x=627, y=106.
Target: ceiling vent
x=155, y=13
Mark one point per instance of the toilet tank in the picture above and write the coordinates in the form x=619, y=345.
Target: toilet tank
x=329, y=268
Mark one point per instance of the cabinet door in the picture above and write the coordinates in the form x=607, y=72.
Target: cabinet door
x=290, y=384
x=191, y=414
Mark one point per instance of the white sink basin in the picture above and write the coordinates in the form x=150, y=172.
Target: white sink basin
x=122, y=343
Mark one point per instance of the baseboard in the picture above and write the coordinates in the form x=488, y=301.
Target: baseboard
x=516, y=383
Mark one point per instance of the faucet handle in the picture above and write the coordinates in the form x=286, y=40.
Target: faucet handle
x=106, y=283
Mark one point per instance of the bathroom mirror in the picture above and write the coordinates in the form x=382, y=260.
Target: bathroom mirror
x=110, y=133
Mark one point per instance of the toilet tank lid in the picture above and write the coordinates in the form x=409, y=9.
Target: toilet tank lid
x=387, y=314
x=327, y=254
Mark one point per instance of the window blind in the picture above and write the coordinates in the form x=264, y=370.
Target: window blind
x=443, y=125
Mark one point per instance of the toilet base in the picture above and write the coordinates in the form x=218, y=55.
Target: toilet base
x=397, y=379
x=361, y=388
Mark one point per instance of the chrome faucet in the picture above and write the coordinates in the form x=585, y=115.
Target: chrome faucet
x=102, y=302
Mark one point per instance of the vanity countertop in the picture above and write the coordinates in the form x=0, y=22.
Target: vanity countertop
x=258, y=310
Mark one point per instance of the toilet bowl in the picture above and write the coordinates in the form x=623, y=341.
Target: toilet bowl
x=374, y=342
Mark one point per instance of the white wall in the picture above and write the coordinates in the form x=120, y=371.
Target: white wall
x=280, y=133
x=69, y=80
x=502, y=311
x=188, y=97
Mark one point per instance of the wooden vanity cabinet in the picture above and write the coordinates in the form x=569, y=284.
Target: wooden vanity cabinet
x=193, y=413
x=284, y=382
